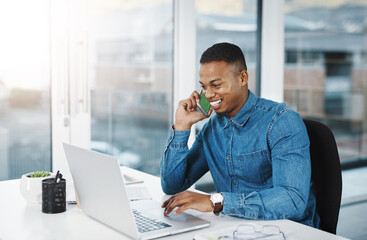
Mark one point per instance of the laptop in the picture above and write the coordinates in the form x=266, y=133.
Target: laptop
x=103, y=196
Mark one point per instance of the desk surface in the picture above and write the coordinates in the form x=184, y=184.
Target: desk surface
x=19, y=220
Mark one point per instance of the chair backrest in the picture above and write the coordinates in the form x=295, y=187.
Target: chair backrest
x=326, y=174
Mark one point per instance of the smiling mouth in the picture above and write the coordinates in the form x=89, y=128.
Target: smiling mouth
x=215, y=104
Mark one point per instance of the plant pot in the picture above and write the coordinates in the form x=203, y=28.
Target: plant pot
x=31, y=188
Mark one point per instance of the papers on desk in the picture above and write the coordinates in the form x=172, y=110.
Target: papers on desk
x=131, y=180
x=137, y=192
x=135, y=188
x=70, y=193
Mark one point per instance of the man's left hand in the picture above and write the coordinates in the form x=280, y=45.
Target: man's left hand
x=188, y=200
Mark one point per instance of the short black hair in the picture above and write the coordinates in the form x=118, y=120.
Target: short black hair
x=227, y=52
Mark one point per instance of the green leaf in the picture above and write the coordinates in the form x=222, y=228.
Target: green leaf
x=37, y=174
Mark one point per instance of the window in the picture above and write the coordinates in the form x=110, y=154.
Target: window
x=130, y=49
x=226, y=21
x=325, y=73
x=25, y=124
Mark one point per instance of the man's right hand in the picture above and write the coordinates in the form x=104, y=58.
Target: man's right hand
x=186, y=113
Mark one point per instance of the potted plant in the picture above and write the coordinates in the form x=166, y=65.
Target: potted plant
x=31, y=185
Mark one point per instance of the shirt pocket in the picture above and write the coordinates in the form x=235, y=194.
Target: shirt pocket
x=255, y=166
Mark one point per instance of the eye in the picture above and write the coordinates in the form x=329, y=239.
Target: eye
x=203, y=87
x=215, y=85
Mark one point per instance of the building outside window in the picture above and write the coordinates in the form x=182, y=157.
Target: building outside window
x=227, y=21
x=325, y=72
x=131, y=75
x=230, y=21
x=25, y=114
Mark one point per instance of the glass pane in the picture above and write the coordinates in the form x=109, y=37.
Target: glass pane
x=325, y=74
x=130, y=69
x=25, y=127
x=227, y=21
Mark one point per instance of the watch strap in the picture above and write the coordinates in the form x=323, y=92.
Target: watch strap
x=218, y=207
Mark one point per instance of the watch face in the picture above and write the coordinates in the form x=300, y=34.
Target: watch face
x=216, y=198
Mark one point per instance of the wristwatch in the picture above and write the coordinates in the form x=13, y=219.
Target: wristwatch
x=217, y=200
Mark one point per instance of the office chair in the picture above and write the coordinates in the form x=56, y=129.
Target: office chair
x=326, y=174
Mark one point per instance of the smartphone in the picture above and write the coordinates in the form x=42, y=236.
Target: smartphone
x=203, y=106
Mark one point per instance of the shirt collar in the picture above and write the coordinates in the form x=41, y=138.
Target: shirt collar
x=244, y=114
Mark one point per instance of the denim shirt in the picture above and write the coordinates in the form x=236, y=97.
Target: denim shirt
x=259, y=160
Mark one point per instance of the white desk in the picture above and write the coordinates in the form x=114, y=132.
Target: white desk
x=19, y=220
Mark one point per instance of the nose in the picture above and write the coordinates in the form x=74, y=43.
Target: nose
x=209, y=93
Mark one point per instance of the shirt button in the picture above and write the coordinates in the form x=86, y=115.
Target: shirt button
x=233, y=211
x=259, y=217
x=228, y=158
x=234, y=183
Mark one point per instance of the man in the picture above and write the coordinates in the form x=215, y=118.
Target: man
x=256, y=150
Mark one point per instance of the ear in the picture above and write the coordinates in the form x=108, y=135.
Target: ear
x=244, y=78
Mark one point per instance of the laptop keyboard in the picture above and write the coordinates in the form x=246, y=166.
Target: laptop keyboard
x=146, y=224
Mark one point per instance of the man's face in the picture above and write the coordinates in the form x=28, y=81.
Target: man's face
x=225, y=86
